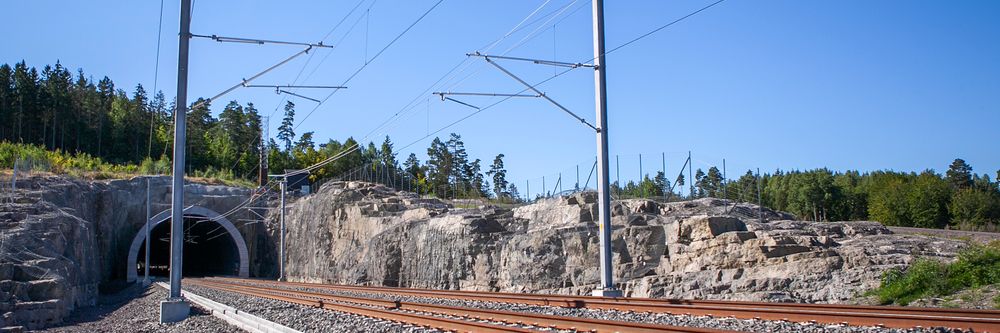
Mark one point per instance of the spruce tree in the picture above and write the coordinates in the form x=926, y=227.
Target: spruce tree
x=388, y=157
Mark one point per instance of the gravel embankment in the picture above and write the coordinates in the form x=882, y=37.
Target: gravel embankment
x=305, y=319
x=137, y=309
x=746, y=325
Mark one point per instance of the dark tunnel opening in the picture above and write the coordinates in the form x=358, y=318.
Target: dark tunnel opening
x=209, y=250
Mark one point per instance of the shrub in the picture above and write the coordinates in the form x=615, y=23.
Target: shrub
x=976, y=266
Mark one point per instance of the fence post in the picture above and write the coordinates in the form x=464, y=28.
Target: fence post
x=725, y=193
x=663, y=159
x=642, y=190
x=760, y=206
x=690, y=175
x=618, y=176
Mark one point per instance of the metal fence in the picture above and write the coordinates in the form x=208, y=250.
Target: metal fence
x=737, y=202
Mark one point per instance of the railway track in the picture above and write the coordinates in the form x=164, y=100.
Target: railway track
x=885, y=316
x=446, y=318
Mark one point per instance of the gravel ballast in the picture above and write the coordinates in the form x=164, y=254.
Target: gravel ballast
x=725, y=323
x=302, y=318
x=137, y=309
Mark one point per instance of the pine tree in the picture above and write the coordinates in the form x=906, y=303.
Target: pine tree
x=499, y=175
x=7, y=115
x=439, y=168
x=959, y=174
x=462, y=174
x=478, y=186
x=304, y=150
x=286, y=132
x=662, y=184
x=711, y=183
x=513, y=193
x=412, y=165
x=106, y=91
x=415, y=172
x=699, y=183
x=199, y=122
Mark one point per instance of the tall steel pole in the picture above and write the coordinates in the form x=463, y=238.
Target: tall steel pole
x=180, y=133
x=145, y=280
x=604, y=198
x=281, y=231
x=174, y=308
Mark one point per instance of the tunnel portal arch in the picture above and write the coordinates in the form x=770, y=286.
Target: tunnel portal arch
x=140, y=236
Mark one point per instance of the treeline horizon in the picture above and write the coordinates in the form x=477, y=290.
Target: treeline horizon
x=96, y=121
x=957, y=199
x=101, y=127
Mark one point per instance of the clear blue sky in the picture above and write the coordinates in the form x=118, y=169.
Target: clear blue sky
x=868, y=85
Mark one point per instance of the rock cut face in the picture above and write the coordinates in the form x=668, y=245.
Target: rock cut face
x=63, y=240
x=359, y=233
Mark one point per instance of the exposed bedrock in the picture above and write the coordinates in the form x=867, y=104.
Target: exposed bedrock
x=359, y=233
x=61, y=239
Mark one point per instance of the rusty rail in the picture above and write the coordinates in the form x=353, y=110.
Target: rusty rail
x=420, y=314
x=888, y=316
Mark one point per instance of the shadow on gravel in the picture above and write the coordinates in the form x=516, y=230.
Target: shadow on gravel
x=108, y=304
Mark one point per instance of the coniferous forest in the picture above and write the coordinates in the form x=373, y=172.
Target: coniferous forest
x=91, y=122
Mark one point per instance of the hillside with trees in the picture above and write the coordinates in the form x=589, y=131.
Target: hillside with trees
x=79, y=122
x=957, y=199
x=88, y=124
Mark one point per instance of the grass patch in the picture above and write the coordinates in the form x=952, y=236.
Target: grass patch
x=977, y=266
x=82, y=165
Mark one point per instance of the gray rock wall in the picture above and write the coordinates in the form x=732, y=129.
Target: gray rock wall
x=62, y=239
x=357, y=233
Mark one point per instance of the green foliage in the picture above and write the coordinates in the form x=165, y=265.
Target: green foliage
x=656, y=187
x=977, y=266
x=709, y=184
x=37, y=158
x=450, y=174
x=499, y=175
x=286, y=133
x=158, y=167
x=975, y=209
x=927, y=201
x=959, y=174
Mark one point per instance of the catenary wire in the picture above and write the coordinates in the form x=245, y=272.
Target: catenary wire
x=379, y=53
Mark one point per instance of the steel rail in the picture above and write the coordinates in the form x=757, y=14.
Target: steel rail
x=582, y=301
x=447, y=324
x=508, y=317
x=898, y=317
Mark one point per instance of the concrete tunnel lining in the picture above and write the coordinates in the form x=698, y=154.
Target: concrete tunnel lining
x=137, y=241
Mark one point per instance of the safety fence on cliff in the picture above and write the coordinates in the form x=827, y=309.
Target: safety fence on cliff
x=740, y=198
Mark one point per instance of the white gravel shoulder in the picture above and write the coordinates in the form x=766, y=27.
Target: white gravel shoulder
x=302, y=318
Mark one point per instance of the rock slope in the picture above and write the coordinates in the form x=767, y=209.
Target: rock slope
x=61, y=239
x=359, y=233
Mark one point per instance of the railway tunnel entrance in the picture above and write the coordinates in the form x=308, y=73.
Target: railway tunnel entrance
x=213, y=246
